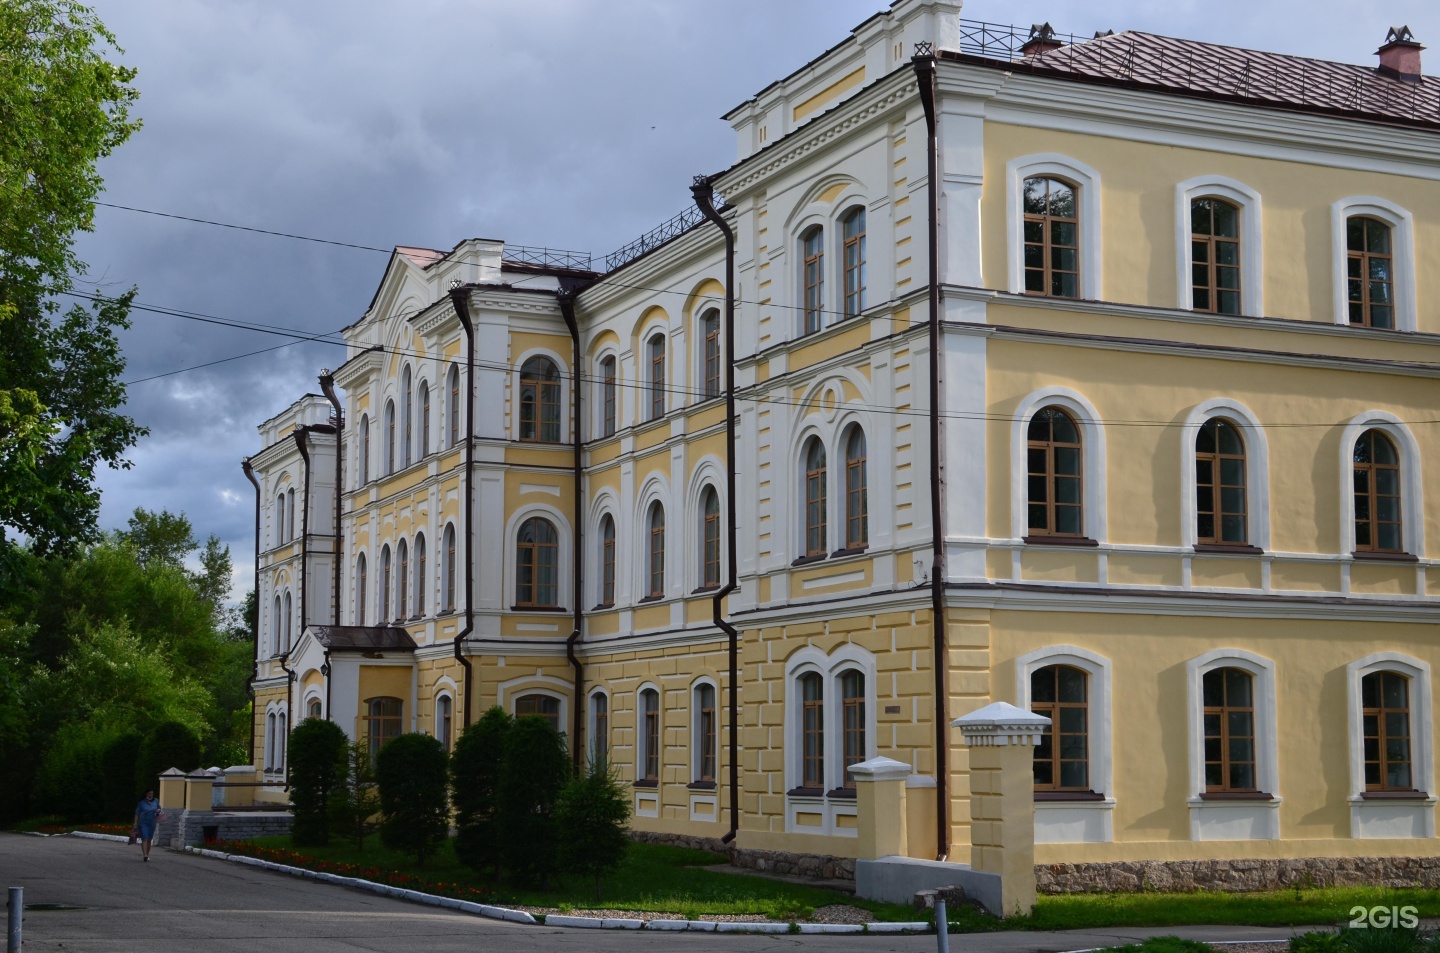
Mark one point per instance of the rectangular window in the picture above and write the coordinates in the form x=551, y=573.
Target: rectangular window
x=1215, y=256
x=854, y=257
x=812, y=731
x=1229, y=730
x=607, y=390
x=657, y=377
x=813, y=251
x=705, y=732
x=712, y=354
x=852, y=690
x=1062, y=759
x=600, y=729
x=1371, y=278
x=1052, y=228
x=1385, y=697
x=650, y=712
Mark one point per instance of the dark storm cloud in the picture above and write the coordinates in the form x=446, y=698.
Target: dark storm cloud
x=560, y=122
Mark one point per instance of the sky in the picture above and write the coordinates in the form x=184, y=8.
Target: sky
x=576, y=124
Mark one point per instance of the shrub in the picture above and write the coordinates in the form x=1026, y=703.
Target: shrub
x=475, y=784
x=412, y=771
x=117, y=776
x=169, y=744
x=317, y=766
x=71, y=779
x=535, y=768
x=590, y=818
x=1317, y=941
x=355, y=804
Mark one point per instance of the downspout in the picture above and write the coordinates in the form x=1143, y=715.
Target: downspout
x=254, y=632
x=567, y=309
x=459, y=297
x=705, y=200
x=925, y=74
x=327, y=387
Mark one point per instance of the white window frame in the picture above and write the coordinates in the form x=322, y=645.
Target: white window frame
x=1086, y=182
x=830, y=668
x=1252, y=259
x=1412, y=515
x=1257, y=469
x=1238, y=819
x=446, y=693
x=1392, y=818
x=565, y=557
x=1402, y=250
x=1092, y=460
x=695, y=739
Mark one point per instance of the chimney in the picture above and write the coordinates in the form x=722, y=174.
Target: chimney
x=1042, y=40
x=1400, y=56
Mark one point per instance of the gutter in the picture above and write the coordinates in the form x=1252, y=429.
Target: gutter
x=705, y=200
x=566, y=297
x=925, y=73
x=459, y=297
x=255, y=630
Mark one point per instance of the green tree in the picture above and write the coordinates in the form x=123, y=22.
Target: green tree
x=412, y=771
x=63, y=106
x=475, y=769
x=169, y=744
x=591, y=814
x=317, y=772
x=535, y=768
x=117, y=775
x=162, y=537
x=355, y=811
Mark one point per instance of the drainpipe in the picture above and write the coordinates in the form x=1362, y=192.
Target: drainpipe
x=327, y=386
x=705, y=201
x=567, y=309
x=300, y=436
x=925, y=73
x=459, y=297
x=254, y=632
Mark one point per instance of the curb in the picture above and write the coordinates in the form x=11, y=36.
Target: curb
x=554, y=919
x=118, y=838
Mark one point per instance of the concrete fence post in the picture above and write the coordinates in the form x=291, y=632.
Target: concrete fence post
x=172, y=790
x=880, y=807
x=1002, y=740
x=200, y=791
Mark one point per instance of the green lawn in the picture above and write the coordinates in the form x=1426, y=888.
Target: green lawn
x=653, y=878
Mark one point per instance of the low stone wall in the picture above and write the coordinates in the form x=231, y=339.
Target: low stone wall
x=769, y=861
x=187, y=828
x=1237, y=875
x=712, y=844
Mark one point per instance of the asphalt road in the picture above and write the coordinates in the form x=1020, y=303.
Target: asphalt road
x=179, y=903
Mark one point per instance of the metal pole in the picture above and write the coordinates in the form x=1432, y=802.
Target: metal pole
x=942, y=927
x=17, y=909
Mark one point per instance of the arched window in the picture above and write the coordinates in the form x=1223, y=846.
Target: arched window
x=1052, y=238
x=540, y=401
x=539, y=706
x=270, y=741
x=385, y=585
x=703, y=739
x=1385, y=709
x=289, y=624
x=290, y=514
x=857, y=504
x=812, y=731
x=277, y=630
x=812, y=254
x=852, y=724
x=1229, y=699
x=815, y=492
x=649, y=736
x=537, y=560
x=450, y=567
x=853, y=232
x=1062, y=759
x=282, y=739
x=389, y=437
x=657, y=376
x=361, y=582
x=280, y=519
x=710, y=330
x=382, y=722
x=1377, y=495
x=363, y=449
x=1370, y=273
x=402, y=580
x=607, y=561
x=599, y=729
x=313, y=709
x=407, y=416
x=1054, y=474
x=656, y=562
x=710, y=534
x=424, y=420
x=445, y=720
x=420, y=555
x=607, y=397
x=452, y=413
x=1215, y=255
x=1221, y=513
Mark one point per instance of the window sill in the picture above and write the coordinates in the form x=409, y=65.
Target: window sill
x=602, y=607
x=1236, y=796
x=1386, y=557
x=655, y=598
x=700, y=786
x=1058, y=541
x=650, y=783
x=842, y=794
x=1052, y=796
x=807, y=560
x=849, y=551
x=703, y=589
x=805, y=792
x=1237, y=549
x=521, y=608
x=535, y=442
x=1394, y=796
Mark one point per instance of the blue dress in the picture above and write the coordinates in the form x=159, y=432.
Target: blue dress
x=145, y=813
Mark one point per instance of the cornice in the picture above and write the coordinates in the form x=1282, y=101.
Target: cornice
x=644, y=275
x=363, y=364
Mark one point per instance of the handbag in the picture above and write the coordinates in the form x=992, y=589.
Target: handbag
x=134, y=834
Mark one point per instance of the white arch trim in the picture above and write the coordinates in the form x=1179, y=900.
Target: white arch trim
x=1252, y=273
x=1257, y=469
x=1402, y=250
x=1092, y=460
x=1422, y=755
x=1412, y=517
x=1257, y=819
x=1097, y=667
x=1087, y=184
x=566, y=379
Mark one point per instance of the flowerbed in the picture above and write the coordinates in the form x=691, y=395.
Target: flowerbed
x=121, y=829
x=380, y=875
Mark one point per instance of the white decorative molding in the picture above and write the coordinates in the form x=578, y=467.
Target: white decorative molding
x=1402, y=252
x=1392, y=818
x=1093, y=494
x=1099, y=691
x=1086, y=182
x=1257, y=469
x=1242, y=819
x=1412, y=514
x=1001, y=724
x=1252, y=236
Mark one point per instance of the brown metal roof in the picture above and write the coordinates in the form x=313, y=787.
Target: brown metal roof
x=363, y=638
x=1209, y=70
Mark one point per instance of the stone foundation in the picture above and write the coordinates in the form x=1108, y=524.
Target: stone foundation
x=1237, y=875
x=805, y=865
x=187, y=828
x=689, y=841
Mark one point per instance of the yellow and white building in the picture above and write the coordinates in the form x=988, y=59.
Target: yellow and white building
x=1185, y=340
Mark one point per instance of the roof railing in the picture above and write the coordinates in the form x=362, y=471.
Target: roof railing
x=549, y=257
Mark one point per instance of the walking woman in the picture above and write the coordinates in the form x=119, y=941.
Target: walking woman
x=147, y=816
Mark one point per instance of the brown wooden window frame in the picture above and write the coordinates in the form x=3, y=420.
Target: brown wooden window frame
x=1211, y=463
x=650, y=727
x=1360, y=284
x=424, y=419
x=857, y=501
x=421, y=555
x=812, y=730
x=530, y=554
x=710, y=327
x=1370, y=521
x=1224, y=712
x=1382, y=735
x=852, y=230
x=1051, y=225
x=656, y=346
x=607, y=561
x=540, y=401
x=706, y=761
x=362, y=573
x=383, y=722
x=599, y=728
x=386, y=569
x=1052, y=748
x=710, y=538
x=816, y=498
x=363, y=449
x=852, y=724
x=407, y=417
x=402, y=579
x=445, y=720
x=1049, y=446
x=812, y=257
x=608, y=420
x=450, y=567
x=389, y=437
x=1208, y=267
x=655, y=528
x=454, y=408
x=539, y=705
